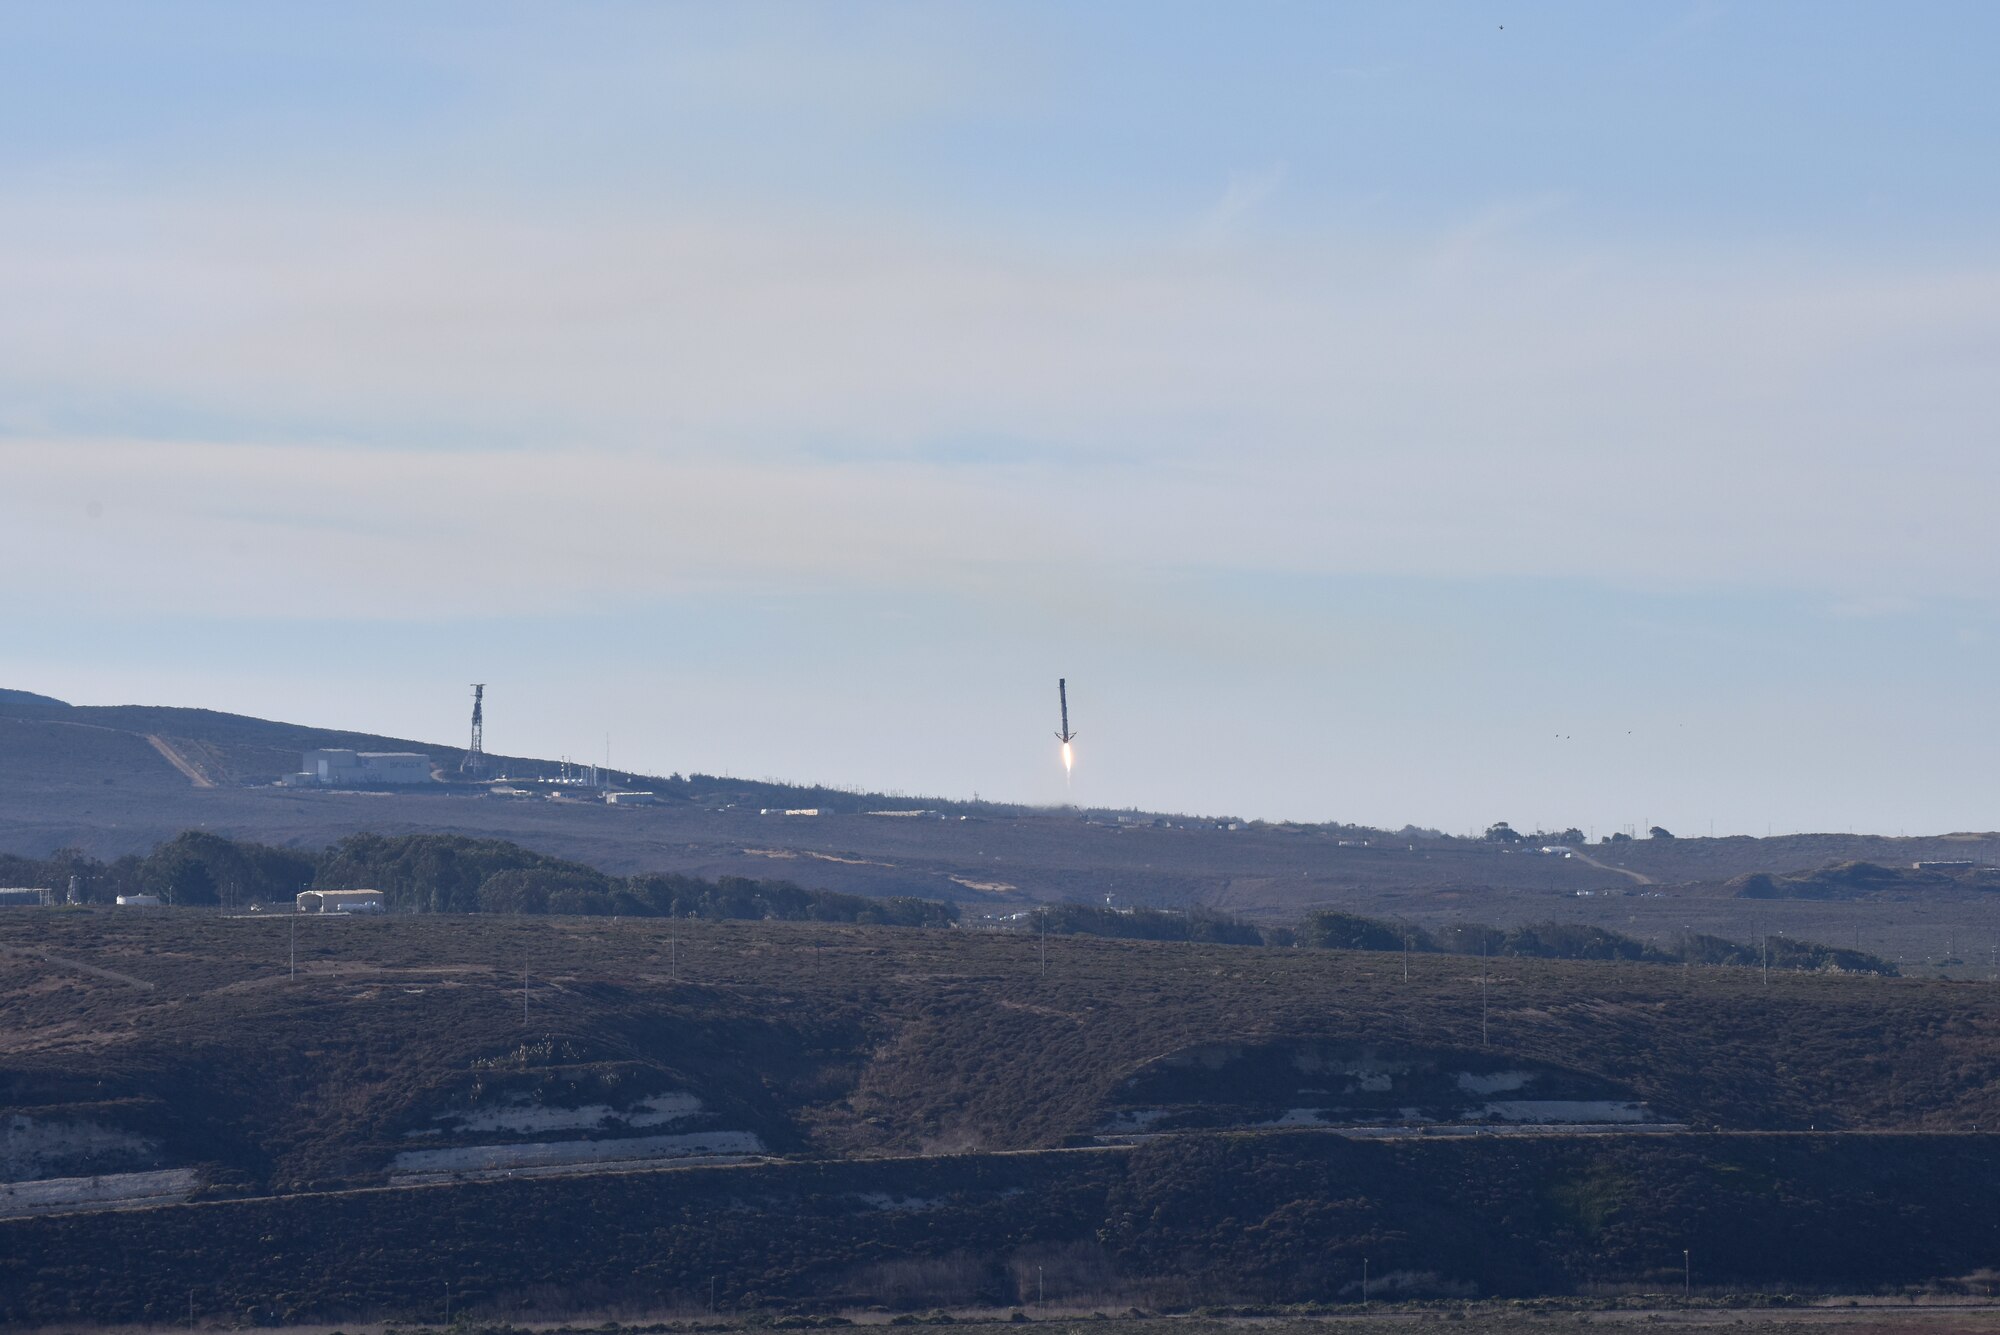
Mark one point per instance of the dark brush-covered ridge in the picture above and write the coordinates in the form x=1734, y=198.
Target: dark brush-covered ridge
x=851, y=1039
x=933, y=1109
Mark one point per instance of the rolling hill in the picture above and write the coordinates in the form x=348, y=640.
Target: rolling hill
x=820, y=1116
x=112, y=780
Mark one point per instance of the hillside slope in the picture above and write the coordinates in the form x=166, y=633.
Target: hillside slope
x=895, y=1105
x=96, y=778
x=843, y=1040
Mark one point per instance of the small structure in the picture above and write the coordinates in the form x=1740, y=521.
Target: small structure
x=22, y=897
x=139, y=901
x=341, y=901
x=363, y=769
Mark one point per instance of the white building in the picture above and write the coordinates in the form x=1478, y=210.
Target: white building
x=631, y=799
x=341, y=901
x=138, y=901
x=364, y=769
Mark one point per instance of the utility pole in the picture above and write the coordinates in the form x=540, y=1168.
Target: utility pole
x=524, y=994
x=1042, y=916
x=1484, y=946
x=1364, y=1279
x=1687, y=1275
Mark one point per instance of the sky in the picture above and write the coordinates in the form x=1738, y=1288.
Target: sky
x=1437, y=413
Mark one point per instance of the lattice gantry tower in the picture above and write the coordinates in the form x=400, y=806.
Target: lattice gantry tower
x=475, y=754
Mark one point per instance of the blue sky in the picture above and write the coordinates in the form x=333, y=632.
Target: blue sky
x=1564, y=413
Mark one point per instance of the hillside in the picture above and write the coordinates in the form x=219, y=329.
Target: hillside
x=843, y=1039
x=98, y=779
x=173, y=1054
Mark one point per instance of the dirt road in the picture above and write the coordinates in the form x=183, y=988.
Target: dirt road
x=179, y=761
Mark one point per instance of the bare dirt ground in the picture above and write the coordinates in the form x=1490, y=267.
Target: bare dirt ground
x=178, y=761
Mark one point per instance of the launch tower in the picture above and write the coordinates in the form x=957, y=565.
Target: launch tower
x=475, y=755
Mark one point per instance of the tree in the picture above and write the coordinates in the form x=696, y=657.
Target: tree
x=181, y=877
x=1659, y=832
x=1330, y=929
x=1500, y=832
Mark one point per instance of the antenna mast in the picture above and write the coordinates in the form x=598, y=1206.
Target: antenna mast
x=475, y=755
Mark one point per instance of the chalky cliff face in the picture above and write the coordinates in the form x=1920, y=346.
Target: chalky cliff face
x=1385, y=1088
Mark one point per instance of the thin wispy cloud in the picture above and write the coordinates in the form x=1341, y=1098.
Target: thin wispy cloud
x=1208, y=347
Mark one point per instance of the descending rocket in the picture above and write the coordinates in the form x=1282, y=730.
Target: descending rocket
x=1065, y=736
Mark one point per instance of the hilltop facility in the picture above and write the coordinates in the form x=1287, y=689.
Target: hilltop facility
x=363, y=769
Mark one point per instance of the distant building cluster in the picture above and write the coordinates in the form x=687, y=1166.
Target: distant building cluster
x=363, y=769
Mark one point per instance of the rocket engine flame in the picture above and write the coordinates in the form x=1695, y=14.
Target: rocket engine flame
x=1069, y=757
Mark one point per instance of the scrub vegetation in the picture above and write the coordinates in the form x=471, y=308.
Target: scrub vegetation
x=443, y=873
x=936, y=1109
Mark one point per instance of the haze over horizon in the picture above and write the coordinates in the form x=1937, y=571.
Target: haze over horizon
x=1440, y=413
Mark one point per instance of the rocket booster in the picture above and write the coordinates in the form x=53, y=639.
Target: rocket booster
x=1062, y=694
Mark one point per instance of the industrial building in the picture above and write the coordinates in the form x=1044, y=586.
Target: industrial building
x=363, y=769
x=22, y=897
x=341, y=901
